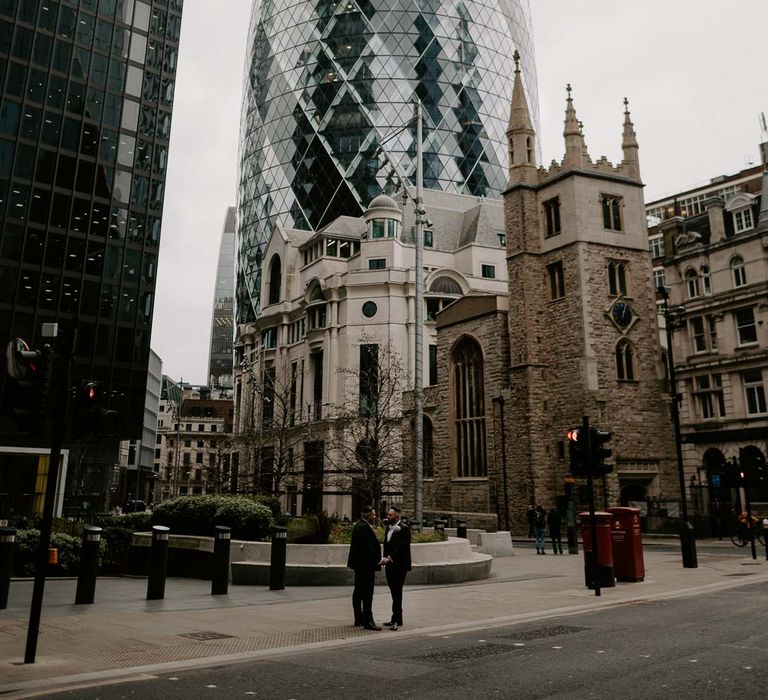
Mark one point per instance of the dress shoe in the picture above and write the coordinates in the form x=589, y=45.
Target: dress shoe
x=388, y=624
x=393, y=627
x=359, y=623
x=372, y=626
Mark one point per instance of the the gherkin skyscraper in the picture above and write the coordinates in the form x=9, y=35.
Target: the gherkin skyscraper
x=330, y=86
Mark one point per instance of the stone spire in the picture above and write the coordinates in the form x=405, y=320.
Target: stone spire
x=576, y=154
x=521, y=136
x=629, y=144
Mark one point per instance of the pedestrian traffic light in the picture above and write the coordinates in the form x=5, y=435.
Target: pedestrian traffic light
x=91, y=417
x=578, y=451
x=598, y=438
x=30, y=372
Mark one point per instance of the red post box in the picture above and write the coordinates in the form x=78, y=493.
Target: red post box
x=604, y=564
x=627, y=544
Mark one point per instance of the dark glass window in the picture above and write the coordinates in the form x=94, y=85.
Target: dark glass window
x=10, y=114
x=62, y=56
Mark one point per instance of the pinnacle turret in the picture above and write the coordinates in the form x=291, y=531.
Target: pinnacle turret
x=521, y=136
x=629, y=144
x=576, y=153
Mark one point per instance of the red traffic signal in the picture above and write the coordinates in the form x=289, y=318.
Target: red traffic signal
x=91, y=418
x=578, y=451
x=30, y=371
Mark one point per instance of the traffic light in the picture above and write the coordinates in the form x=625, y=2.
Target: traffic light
x=31, y=372
x=598, y=438
x=91, y=417
x=578, y=450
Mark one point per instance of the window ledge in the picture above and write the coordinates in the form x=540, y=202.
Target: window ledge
x=628, y=381
x=470, y=479
x=747, y=346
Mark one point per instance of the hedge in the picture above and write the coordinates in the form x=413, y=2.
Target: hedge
x=198, y=515
x=68, y=546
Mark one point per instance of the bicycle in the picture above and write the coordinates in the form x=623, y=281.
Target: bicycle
x=740, y=536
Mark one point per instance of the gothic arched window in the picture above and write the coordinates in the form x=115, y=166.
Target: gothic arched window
x=625, y=361
x=468, y=387
x=275, y=279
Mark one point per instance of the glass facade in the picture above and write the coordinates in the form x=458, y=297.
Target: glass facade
x=85, y=119
x=329, y=87
x=222, y=328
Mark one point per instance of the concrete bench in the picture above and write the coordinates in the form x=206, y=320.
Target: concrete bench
x=452, y=561
x=497, y=544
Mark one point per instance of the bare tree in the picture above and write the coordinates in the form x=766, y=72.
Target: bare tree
x=365, y=443
x=274, y=427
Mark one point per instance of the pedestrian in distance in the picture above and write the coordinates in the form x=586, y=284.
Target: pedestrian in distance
x=553, y=523
x=397, y=563
x=365, y=560
x=530, y=516
x=540, y=528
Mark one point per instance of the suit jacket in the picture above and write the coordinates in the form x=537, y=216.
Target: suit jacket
x=364, y=548
x=399, y=547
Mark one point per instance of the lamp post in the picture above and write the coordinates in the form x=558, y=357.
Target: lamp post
x=418, y=317
x=418, y=373
x=500, y=401
x=674, y=319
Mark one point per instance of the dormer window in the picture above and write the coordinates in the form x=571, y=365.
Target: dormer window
x=742, y=220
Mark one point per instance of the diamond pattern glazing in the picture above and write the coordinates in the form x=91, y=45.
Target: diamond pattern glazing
x=329, y=92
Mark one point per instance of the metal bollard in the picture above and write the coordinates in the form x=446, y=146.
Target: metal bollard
x=461, y=528
x=277, y=558
x=765, y=536
x=89, y=566
x=440, y=526
x=7, y=543
x=158, y=563
x=220, y=578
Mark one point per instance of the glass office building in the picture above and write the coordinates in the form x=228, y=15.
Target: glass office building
x=222, y=326
x=329, y=86
x=85, y=120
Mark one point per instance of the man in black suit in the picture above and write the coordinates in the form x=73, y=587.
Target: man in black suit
x=365, y=559
x=397, y=561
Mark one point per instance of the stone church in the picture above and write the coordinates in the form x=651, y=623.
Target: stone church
x=577, y=334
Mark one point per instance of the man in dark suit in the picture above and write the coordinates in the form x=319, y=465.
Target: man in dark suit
x=365, y=559
x=397, y=561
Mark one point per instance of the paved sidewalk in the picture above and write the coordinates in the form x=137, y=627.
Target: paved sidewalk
x=124, y=635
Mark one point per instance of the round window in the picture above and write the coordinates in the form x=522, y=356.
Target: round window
x=369, y=309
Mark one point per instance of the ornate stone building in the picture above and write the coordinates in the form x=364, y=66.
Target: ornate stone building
x=716, y=269
x=575, y=335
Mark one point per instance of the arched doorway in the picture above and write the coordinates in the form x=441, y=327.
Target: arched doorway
x=719, y=481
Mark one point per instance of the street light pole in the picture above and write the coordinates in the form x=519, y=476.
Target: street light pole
x=418, y=374
x=500, y=401
x=673, y=319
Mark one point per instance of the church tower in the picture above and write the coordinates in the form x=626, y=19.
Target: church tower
x=583, y=334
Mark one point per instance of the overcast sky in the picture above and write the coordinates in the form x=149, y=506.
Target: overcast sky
x=693, y=70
